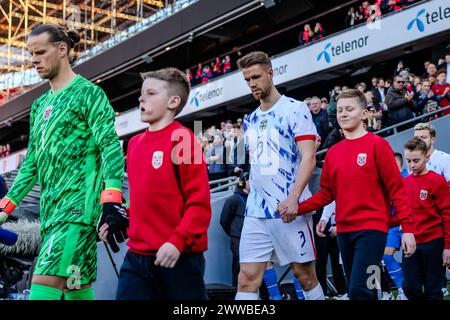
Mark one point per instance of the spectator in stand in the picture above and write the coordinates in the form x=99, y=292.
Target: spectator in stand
x=222, y=126
x=374, y=82
x=318, y=32
x=360, y=87
x=190, y=77
x=198, y=74
x=319, y=117
x=406, y=78
x=394, y=5
x=400, y=103
x=324, y=103
x=307, y=101
x=431, y=71
x=345, y=88
x=214, y=157
x=217, y=68
x=226, y=64
x=374, y=13
x=422, y=96
x=379, y=94
x=416, y=81
x=206, y=74
x=352, y=17
x=446, y=65
x=441, y=90
x=306, y=36
x=8, y=150
x=364, y=10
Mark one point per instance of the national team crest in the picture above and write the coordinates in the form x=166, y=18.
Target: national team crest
x=423, y=194
x=361, y=160
x=157, y=160
x=47, y=112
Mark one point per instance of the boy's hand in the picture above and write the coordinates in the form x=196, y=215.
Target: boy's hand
x=333, y=231
x=320, y=228
x=288, y=209
x=167, y=255
x=446, y=257
x=408, y=244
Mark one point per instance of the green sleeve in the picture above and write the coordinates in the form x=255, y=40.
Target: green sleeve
x=100, y=118
x=27, y=176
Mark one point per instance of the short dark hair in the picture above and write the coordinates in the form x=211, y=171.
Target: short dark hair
x=57, y=34
x=416, y=144
x=254, y=58
x=178, y=83
x=439, y=72
x=398, y=155
x=354, y=93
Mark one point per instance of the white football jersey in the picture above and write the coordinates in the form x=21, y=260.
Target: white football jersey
x=271, y=138
x=440, y=163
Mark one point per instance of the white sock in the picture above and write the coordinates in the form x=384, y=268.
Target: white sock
x=315, y=294
x=246, y=296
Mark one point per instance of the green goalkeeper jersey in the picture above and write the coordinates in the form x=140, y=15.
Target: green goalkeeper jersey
x=73, y=153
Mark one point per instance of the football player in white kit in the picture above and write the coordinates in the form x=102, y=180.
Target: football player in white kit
x=280, y=136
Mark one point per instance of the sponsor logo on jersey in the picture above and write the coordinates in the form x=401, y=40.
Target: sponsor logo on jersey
x=423, y=194
x=48, y=112
x=361, y=159
x=157, y=160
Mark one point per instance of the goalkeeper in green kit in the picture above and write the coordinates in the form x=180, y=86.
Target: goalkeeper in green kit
x=75, y=156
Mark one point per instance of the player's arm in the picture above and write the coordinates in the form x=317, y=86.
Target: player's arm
x=25, y=179
x=100, y=119
x=305, y=134
x=324, y=196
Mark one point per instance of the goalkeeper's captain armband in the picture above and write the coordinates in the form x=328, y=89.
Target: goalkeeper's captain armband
x=7, y=206
x=111, y=195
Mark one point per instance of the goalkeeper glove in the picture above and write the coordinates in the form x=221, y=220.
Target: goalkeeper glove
x=115, y=216
x=6, y=207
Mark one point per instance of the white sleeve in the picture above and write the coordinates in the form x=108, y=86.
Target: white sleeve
x=328, y=211
x=300, y=122
x=446, y=168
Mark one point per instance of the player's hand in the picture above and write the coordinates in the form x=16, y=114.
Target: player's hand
x=167, y=255
x=288, y=209
x=333, y=231
x=446, y=257
x=320, y=228
x=114, y=215
x=408, y=244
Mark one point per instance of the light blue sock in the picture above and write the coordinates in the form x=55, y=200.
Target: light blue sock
x=298, y=289
x=270, y=279
x=394, y=270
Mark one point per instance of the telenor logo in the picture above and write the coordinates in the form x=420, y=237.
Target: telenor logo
x=324, y=54
x=342, y=47
x=206, y=95
x=430, y=17
x=417, y=22
x=195, y=99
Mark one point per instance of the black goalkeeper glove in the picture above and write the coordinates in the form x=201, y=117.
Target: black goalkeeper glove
x=116, y=217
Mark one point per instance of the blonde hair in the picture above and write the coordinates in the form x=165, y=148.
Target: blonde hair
x=426, y=126
x=254, y=58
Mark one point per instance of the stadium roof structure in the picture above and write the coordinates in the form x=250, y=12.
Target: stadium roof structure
x=95, y=20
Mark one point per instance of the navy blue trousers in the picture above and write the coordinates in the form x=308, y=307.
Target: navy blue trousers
x=423, y=272
x=361, y=253
x=140, y=279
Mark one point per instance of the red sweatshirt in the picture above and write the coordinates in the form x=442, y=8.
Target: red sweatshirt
x=168, y=202
x=429, y=198
x=361, y=175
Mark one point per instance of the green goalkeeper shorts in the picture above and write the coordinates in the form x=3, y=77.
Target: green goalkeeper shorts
x=69, y=250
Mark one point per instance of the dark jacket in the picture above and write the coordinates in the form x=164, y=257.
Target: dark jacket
x=233, y=213
x=322, y=124
x=399, y=108
x=3, y=187
x=377, y=99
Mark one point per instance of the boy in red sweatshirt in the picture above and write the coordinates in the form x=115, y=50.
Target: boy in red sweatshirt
x=429, y=198
x=170, y=206
x=361, y=175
